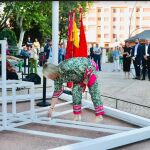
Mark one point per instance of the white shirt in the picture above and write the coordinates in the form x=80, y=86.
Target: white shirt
x=135, y=49
x=146, y=50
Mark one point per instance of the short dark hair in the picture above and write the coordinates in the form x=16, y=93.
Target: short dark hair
x=48, y=40
x=137, y=39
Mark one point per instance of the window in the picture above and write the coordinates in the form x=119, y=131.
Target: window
x=106, y=35
x=121, y=19
x=137, y=9
x=114, y=10
x=146, y=18
x=98, y=10
x=114, y=18
x=137, y=18
x=114, y=27
x=114, y=36
x=99, y=36
x=106, y=19
x=99, y=18
x=99, y=27
x=146, y=9
x=137, y=26
x=106, y=45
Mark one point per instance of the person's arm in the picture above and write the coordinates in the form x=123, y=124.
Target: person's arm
x=58, y=90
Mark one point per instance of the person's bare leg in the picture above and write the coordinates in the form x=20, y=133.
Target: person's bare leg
x=98, y=119
x=128, y=75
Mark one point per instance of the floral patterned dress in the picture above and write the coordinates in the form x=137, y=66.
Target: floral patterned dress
x=77, y=70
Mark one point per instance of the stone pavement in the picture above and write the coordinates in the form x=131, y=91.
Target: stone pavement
x=115, y=85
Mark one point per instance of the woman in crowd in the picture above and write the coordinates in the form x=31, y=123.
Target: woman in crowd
x=126, y=59
x=116, y=55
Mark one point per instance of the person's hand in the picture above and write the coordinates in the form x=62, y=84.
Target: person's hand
x=133, y=58
x=145, y=57
x=50, y=111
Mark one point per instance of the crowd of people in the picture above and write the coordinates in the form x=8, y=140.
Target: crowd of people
x=124, y=55
x=38, y=55
x=140, y=55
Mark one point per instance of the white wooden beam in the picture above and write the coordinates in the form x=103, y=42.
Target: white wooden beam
x=111, y=141
x=98, y=125
x=87, y=128
x=46, y=134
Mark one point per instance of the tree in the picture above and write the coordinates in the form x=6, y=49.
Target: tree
x=10, y=35
x=8, y=8
x=27, y=14
x=30, y=13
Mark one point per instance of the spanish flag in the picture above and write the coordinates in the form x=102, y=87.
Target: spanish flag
x=75, y=37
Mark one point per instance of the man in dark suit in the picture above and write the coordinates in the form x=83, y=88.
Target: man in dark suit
x=136, y=55
x=146, y=59
x=91, y=52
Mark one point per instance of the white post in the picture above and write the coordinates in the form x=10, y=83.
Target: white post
x=55, y=31
x=14, y=100
x=4, y=92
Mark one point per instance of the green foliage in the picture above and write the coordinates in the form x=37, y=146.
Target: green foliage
x=110, y=58
x=10, y=35
x=28, y=14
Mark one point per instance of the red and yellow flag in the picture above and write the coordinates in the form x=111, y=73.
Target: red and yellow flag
x=75, y=37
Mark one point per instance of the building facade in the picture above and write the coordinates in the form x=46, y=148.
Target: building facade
x=109, y=22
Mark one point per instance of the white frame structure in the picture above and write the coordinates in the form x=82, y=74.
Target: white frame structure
x=120, y=135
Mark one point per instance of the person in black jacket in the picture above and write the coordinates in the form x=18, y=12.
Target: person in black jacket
x=48, y=49
x=91, y=52
x=136, y=55
x=146, y=59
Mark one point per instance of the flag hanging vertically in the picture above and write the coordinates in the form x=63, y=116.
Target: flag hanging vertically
x=75, y=37
x=69, y=48
x=83, y=43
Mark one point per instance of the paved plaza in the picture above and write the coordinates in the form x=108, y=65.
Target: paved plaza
x=112, y=84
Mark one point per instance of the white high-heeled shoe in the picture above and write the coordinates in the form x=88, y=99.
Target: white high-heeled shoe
x=98, y=119
x=77, y=118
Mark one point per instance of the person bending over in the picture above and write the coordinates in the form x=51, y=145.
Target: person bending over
x=82, y=72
